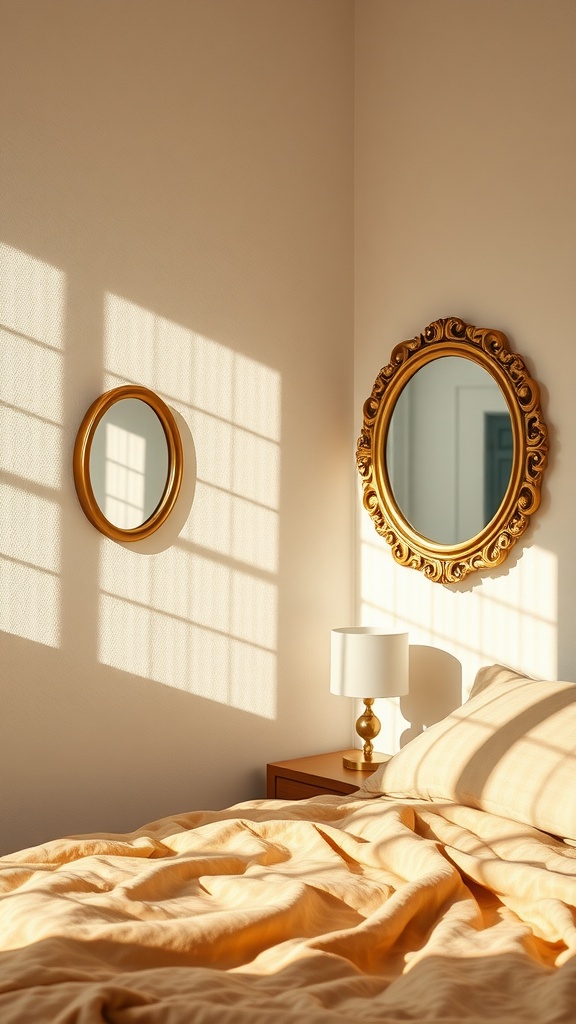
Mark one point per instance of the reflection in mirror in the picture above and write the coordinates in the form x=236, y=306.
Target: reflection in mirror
x=449, y=449
x=129, y=463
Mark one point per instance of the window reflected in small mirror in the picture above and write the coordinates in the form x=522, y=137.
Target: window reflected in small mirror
x=128, y=463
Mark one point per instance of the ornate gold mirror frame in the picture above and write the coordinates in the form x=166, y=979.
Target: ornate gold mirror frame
x=81, y=463
x=443, y=563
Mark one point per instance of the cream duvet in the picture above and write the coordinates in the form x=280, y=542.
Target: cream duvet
x=366, y=909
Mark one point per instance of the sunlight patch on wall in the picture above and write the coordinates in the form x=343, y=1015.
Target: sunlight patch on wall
x=32, y=310
x=202, y=616
x=226, y=524
x=29, y=580
x=181, y=653
x=217, y=595
x=509, y=619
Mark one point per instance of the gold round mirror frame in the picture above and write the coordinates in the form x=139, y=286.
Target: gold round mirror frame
x=81, y=463
x=443, y=563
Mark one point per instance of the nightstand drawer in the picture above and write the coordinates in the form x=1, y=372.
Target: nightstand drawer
x=302, y=777
x=292, y=789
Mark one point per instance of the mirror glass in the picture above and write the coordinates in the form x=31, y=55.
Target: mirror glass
x=129, y=463
x=449, y=450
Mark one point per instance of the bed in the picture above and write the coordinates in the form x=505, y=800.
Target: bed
x=444, y=890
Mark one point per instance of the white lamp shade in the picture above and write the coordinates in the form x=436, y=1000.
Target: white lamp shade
x=367, y=662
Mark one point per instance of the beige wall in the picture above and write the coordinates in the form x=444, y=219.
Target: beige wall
x=465, y=205
x=176, y=211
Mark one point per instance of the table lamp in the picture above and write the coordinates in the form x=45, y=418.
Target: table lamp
x=367, y=660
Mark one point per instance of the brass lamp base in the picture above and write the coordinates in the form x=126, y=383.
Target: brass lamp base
x=359, y=763
x=367, y=727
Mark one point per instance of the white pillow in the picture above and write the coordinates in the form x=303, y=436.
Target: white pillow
x=510, y=749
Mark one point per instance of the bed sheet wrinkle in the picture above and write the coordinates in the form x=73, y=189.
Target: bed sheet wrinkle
x=532, y=875
x=509, y=992
x=324, y=911
x=407, y=921
x=57, y=852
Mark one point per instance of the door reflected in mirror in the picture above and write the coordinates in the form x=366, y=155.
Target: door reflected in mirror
x=449, y=449
x=129, y=463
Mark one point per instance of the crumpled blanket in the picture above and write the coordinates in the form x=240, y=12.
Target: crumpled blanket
x=332, y=910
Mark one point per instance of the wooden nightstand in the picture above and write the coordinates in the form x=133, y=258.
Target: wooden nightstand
x=312, y=776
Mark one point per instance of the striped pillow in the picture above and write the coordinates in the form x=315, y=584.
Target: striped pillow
x=510, y=749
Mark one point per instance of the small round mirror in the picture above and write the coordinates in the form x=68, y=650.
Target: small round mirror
x=128, y=463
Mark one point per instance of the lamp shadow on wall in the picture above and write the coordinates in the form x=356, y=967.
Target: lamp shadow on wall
x=435, y=689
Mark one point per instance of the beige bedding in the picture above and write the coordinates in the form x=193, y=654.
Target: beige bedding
x=273, y=912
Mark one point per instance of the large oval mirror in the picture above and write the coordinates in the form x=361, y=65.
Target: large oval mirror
x=128, y=463
x=452, y=450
